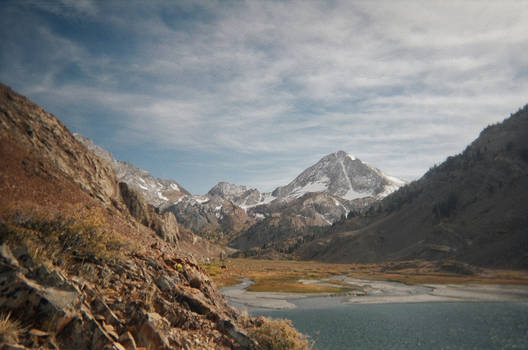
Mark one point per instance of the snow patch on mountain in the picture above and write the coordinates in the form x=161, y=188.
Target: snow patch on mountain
x=343, y=175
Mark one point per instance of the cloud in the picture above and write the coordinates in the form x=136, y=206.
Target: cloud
x=402, y=83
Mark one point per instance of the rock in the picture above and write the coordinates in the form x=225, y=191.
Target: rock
x=150, y=333
x=127, y=340
x=27, y=299
x=12, y=347
x=164, y=284
x=7, y=256
x=237, y=334
x=38, y=333
x=135, y=203
x=165, y=225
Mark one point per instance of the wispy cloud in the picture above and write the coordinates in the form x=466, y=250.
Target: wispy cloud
x=402, y=84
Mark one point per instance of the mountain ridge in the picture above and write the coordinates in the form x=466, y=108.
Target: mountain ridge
x=229, y=209
x=472, y=207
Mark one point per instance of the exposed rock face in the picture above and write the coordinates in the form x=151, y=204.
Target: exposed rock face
x=284, y=226
x=35, y=143
x=337, y=184
x=211, y=217
x=240, y=195
x=156, y=191
x=470, y=208
x=180, y=309
x=165, y=225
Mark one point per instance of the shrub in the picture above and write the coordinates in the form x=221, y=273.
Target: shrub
x=82, y=235
x=278, y=335
x=9, y=329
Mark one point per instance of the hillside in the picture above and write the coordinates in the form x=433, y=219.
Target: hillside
x=472, y=207
x=86, y=262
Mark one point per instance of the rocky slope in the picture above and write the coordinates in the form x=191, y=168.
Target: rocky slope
x=156, y=191
x=472, y=207
x=211, y=217
x=285, y=225
x=85, y=262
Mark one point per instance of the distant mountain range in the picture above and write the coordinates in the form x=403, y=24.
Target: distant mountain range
x=341, y=181
x=472, y=207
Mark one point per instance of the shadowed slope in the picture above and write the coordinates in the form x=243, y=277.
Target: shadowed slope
x=473, y=207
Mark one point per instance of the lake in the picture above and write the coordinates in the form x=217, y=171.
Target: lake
x=438, y=325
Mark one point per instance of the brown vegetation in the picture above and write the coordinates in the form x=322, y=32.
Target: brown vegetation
x=276, y=334
x=9, y=329
x=79, y=234
x=284, y=275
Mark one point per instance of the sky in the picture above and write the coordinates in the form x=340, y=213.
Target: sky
x=254, y=92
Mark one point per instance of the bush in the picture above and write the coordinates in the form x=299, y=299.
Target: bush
x=277, y=335
x=9, y=329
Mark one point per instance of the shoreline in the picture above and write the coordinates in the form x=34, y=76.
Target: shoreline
x=373, y=292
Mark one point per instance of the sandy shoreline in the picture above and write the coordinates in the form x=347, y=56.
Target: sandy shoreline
x=376, y=292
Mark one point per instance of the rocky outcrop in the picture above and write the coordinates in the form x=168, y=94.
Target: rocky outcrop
x=155, y=191
x=211, y=217
x=165, y=225
x=30, y=133
x=153, y=304
x=242, y=196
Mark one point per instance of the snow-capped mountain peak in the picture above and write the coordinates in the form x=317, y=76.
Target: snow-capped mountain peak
x=342, y=175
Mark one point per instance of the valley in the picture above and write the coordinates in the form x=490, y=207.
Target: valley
x=263, y=175
x=124, y=253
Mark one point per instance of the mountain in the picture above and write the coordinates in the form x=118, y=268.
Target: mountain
x=341, y=175
x=81, y=263
x=338, y=174
x=472, y=207
x=242, y=196
x=156, y=191
x=212, y=217
x=321, y=195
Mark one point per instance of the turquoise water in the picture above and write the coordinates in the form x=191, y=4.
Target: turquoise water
x=412, y=326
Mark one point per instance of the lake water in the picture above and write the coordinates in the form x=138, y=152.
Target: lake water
x=411, y=326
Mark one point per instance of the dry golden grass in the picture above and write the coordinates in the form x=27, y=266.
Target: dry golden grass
x=9, y=329
x=283, y=275
x=79, y=235
x=276, y=334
